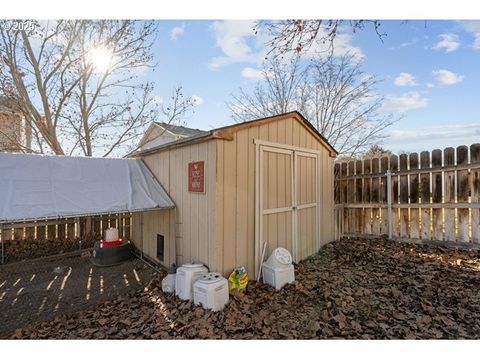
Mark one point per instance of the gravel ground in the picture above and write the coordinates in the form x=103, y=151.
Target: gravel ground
x=351, y=289
x=42, y=289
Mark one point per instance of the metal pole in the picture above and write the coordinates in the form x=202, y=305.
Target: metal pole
x=3, y=242
x=79, y=233
x=389, y=204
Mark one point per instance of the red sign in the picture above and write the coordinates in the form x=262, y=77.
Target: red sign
x=196, y=177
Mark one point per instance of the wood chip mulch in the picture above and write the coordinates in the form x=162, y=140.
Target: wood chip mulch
x=351, y=289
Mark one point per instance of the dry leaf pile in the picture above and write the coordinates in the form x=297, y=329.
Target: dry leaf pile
x=351, y=289
x=16, y=250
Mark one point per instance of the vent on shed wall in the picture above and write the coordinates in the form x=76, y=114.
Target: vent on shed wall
x=160, y=247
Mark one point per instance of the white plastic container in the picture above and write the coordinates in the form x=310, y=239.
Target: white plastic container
x=168, y=283
x=280, y=257
x=278, y=277
x=187, y=274
x=278, y=270
x=111, y=234
x=211, y=291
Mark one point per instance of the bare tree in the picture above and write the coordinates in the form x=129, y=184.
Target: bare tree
x=178, y=107
x=333, y=93
x=296, y=36
x=175, y=111
x=78, y=82
x=277, y=93
x=376, y=151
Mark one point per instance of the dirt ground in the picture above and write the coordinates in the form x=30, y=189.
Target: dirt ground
x=42, y=289
x=351, y=289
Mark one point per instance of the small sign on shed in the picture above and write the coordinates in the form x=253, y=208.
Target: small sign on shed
x=196, y=177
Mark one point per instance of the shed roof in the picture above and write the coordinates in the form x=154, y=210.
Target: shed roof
x=46, y=187
x=225, y=133
x=180, y=130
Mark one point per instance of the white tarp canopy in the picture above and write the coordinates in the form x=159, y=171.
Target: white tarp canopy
x=46, y=187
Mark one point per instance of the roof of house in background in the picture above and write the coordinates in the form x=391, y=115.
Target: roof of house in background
x=180, y=130
x=34, y=187
x=8, y=105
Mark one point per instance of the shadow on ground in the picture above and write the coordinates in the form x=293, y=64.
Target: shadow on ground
x=42, y=289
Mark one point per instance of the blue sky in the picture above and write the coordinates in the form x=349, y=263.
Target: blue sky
x=429, y=69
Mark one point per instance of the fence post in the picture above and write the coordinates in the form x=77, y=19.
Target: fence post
x=389, y=204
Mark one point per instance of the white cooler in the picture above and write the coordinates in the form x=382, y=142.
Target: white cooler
x=211, y=291
x=186, y=275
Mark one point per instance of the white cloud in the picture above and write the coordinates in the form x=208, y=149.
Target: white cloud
x=405, y=102
x=176, y=32
x=342, y=45
x=430, y=85
x=239, y=44
x=446, y=77
x=197, y=100
x=405, y=79
x=448, y=42
x=252, y=74
x=448, y=132
x=476, y=42
x=231, y=36
x=473, y=27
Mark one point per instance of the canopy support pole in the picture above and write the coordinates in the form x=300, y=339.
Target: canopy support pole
x=3, y=243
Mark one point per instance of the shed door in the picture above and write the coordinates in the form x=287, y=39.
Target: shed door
x=276, y=198
x=305, y=204
x=286, y=201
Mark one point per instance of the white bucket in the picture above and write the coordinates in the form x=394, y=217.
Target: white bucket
x=111, y=234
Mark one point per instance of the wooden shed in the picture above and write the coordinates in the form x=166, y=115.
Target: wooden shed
x=268, y=180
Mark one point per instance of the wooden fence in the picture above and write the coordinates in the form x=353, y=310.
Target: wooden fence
x=60, y=235
x=431, y=196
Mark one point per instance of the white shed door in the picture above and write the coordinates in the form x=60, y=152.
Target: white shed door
x=286, y=201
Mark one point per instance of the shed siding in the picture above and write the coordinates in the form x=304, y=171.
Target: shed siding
x=235, y=200
x=191, y=225
x=145, y=237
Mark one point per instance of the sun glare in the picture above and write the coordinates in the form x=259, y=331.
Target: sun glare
x=100, y=58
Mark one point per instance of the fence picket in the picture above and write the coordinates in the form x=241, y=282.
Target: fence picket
x=449, y=194
x=343, y=196
x=403, y=196
x=336, y=188
x=367, y=211
x=425, y=196
x=395, y=198
x=475, y=192
x=463, y=189
x=376, y=196
x=351, y=197
x=383, y=195
x=358, y=197
x=414, y=198
x=437, y=195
